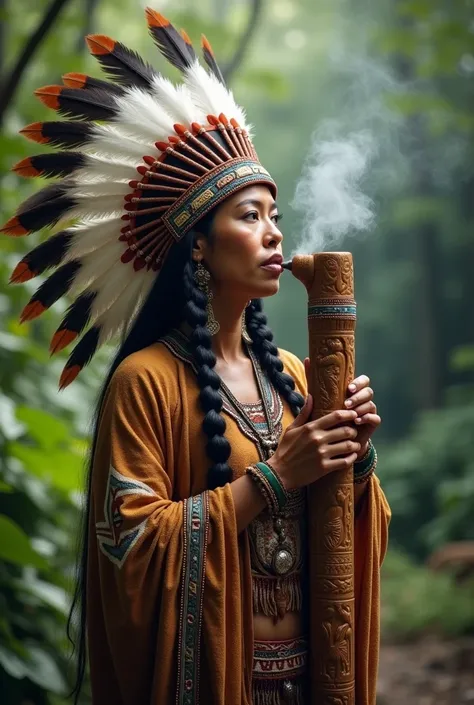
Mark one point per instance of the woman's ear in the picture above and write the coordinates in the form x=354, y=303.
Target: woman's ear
x=199, y=247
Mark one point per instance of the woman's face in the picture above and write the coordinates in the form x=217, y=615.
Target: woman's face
x=244, y=236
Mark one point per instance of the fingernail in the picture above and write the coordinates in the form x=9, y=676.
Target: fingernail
x=352, y=387
x=358, y=420
x=348, y=403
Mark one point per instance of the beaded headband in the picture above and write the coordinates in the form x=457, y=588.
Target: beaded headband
x=191, y=147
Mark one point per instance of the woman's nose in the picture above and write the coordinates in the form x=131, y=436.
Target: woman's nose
x=273, y=236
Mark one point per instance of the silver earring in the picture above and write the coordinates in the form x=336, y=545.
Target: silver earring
x=202, y=278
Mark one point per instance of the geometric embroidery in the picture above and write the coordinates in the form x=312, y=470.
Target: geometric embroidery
x=114, y=543
x=195, y=537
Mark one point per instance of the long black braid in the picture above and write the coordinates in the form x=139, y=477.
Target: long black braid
x=267, y=355
x=214, y=426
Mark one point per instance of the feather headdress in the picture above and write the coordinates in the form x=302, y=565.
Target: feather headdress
x=141, y=162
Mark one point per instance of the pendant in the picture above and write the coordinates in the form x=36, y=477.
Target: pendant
x=283, y=561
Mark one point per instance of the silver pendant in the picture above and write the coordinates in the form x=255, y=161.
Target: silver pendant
x=283, y=561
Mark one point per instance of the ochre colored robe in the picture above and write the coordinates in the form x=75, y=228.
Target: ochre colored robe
x=169, y=580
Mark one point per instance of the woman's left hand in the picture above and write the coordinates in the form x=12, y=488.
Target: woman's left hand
x=360, y=399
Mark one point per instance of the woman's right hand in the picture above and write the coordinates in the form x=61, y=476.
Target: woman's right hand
x=308, y=450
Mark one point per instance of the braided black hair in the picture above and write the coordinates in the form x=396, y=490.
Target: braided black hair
x=214, y=425
x=267, y=355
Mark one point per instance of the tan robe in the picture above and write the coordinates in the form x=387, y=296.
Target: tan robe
x=169, y=582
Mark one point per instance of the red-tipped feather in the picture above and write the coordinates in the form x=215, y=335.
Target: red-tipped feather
x=210, y=59
x=32, y=310
x=120, y=63
x=83, y=81
x=34, y=132
x=80, y=356
x=51, y=290
x=74, y=322
x=189, y=43
x=169, y=41
x=62, y=133
x=22, y=273
x=55, y=164
x=68, y=375
x=61, y=339
x=47, y=254
x=90, y=104
x=14, y=227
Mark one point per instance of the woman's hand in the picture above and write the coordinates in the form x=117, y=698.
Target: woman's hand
x=361, y=401
x=309, y=450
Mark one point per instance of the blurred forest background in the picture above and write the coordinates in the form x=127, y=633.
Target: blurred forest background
x=400, y=71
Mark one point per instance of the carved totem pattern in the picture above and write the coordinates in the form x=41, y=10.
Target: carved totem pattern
x=331, y=322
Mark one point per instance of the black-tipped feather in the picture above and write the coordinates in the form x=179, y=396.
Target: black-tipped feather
x=49, y=253
x=83, y=103
x=84, y=82
x=45, y=195
x=43, y=209
x=56, y=285
x=78, y=314
x=85, y=349
x=126, y=67
x=210, y=60
x=54, y=164
x=172, y=45
x=67, y=134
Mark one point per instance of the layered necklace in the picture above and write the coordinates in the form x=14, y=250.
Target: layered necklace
x=283, y=560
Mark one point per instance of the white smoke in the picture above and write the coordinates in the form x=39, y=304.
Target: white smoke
x=328, y=194
x=348, y=156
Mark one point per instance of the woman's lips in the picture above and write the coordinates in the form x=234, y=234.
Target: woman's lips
x=275, y=268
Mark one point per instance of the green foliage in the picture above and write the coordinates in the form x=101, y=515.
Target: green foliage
x=429, y=479
x=417, y=601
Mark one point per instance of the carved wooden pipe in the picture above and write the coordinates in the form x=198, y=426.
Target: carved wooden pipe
x=328, y=278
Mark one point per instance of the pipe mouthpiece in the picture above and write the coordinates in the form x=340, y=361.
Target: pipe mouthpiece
x=288, y=265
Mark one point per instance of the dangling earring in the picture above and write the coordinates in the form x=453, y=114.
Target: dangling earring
x=245, y=333
x=202, y=278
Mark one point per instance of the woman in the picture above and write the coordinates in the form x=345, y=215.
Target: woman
x=193, y=583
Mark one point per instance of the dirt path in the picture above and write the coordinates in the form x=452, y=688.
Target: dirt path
x=430, y=672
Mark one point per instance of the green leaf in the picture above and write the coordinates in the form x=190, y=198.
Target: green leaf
x=45, y=429
x=44, y=671
x=15, y=545
x=13, y=664
x=60, y=467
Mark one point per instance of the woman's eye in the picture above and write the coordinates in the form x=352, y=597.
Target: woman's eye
x=251, y=216
x=277, y=217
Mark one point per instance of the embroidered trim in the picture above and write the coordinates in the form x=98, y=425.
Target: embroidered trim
x=114, y=543
x=195, y=537
x=178, y=344
x=212, y=188
x=279, y=659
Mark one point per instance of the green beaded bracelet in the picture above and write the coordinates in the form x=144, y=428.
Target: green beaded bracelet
x=365, y=467
x=270, y=486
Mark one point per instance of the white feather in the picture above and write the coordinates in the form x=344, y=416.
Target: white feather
x=119, y=315
x=139, y=111
x=96, y=206
x=107, y=168
x=92, y=234
x=177, y=101
x=99, y=187
x=210, y=96
x=95, y=264
x=110, y=285
x=113, y=142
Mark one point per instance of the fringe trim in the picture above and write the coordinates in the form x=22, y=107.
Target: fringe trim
x=275, y=596
x=271, y=692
